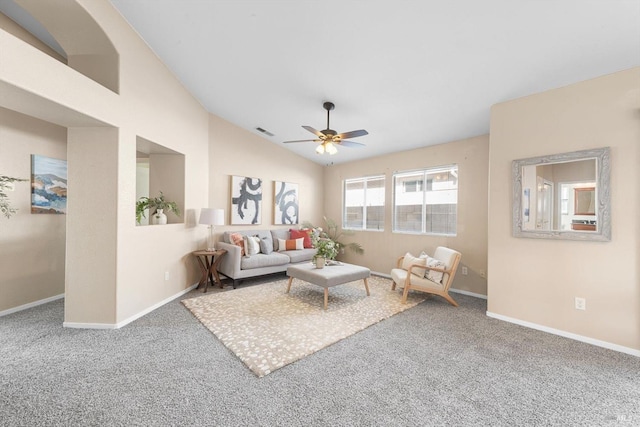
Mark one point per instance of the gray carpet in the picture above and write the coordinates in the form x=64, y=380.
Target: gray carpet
x=431, y=365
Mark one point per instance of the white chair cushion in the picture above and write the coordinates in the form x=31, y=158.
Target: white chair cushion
x=409, y=259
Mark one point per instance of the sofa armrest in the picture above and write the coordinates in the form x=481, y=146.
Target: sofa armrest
x=230, y=263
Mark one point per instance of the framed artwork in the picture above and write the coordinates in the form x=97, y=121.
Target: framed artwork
x=246, y=200
x=48, y=185
x=285, y=203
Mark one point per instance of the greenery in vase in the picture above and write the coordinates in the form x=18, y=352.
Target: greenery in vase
x=334, y=234
x=156, y=203
x=5, y=204
x=325, y=248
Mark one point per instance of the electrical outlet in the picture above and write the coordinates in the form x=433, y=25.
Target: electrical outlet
x=483, y=274
x=465, y=271
x=581, y=304
x=166, y=275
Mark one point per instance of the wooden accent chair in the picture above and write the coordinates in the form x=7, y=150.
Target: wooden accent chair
x=412, y=276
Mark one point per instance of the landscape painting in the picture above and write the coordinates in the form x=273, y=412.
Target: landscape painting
x=48, y=185
x=285, y=203
x=246, y=200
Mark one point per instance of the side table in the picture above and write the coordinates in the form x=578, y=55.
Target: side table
x=208, y=262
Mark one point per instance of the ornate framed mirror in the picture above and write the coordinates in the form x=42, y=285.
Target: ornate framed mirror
x=563, y=196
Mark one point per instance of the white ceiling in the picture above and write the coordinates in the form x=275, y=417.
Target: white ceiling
x=412, y=73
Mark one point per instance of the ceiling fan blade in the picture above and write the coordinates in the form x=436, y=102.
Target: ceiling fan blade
x=315, y=132
x=351, y=143
x=302, y=140
x=353, y=134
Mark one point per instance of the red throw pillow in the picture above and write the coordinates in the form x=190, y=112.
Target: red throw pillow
x=306, y=234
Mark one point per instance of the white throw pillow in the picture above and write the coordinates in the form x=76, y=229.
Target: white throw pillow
x=410, y=259
x=435, y=276
x=251, y=245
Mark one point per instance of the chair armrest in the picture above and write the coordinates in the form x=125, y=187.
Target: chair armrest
x=399, y=262
x=441, y=270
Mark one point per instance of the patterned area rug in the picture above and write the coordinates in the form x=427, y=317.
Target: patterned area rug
x=268, y=328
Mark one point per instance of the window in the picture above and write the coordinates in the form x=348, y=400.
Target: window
x=426, y=201
x=364, y=203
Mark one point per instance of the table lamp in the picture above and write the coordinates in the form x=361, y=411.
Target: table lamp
x=211, y=217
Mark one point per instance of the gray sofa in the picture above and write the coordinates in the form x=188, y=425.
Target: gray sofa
x=237, y=267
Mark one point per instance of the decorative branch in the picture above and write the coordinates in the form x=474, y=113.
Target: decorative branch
x=5, y=204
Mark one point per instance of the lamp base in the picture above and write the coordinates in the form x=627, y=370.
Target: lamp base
x=211, y=244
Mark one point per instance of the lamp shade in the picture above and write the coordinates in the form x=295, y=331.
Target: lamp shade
x=210, y=216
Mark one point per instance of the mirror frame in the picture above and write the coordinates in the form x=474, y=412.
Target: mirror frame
x=603, y=196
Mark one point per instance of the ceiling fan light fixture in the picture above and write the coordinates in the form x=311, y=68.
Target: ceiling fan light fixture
x=320, y=149
x=330, y=148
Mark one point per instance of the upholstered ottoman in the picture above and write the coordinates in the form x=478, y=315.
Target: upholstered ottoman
x=331, y=275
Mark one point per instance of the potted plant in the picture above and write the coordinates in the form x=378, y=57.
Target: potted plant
x=326, y=249
x=5, y=204
x=158, y=205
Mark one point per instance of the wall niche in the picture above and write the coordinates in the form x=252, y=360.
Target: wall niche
x=159, y=168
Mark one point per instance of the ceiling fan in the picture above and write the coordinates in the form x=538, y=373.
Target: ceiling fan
x=329, y=138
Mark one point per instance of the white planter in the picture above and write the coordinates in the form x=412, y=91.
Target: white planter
x=159, y=218
x=320, y=262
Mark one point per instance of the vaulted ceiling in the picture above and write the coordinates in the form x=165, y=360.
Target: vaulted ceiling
x=412, y=73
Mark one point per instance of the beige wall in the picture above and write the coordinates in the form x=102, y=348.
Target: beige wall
x=116, y=271
x=234, y=151
x=536, y=281
x=32, y=246
x=383, y=248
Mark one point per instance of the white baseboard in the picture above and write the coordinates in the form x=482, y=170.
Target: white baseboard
x=458, y=291
x=592, y=341
x=130, y=319
x=30, y=305
x=471, y=294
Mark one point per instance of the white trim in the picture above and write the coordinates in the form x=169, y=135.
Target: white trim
x=130, y=319
x=88, y=325
x=471, y=294
x=592, y=341
x=30, y=305
x=458, y=291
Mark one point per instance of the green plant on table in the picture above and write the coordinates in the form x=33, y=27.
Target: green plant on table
x=154, y=204
x=325, y=248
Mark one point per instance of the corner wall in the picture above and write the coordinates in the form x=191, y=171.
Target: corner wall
x=382, y=249
x=535, y=281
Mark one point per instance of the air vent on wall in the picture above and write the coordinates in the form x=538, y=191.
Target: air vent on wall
x=266, y=132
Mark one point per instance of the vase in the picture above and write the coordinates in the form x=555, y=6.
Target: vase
x=320, y=262
x=159, y=218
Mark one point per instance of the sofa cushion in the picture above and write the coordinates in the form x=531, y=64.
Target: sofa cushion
x=262, y=260
x=300, y=256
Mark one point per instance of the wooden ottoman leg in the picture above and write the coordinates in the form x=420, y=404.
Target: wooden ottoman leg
x=289, y=284
x=366, y=286
x=326, y=297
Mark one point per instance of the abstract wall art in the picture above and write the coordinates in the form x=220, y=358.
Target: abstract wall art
x=48, y=185
x=285, y=203
x=246, y=200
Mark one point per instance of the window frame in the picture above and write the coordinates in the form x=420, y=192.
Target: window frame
x=424, y=171
x=365, y=180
